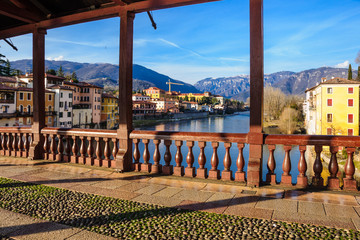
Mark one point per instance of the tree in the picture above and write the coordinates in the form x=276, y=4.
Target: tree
x=51, y=71
x=350, y=73
x=4, y=66
x=274, y=102
x=358, y=74
x=214, y=101
x=60, y=72
x=74, y=77
x=287, y=123
x=186, y=98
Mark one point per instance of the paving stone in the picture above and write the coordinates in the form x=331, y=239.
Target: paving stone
x=178, y=183
x=193, y=195
x=242, y=211
x=89, y=236
x=243, y=200
x=212, y=187
x=168, y=192
x=203, y=206
x=110, y=184
x=105, y=192
x=314, y=208
x=158, y=200
x=149, y=190
x=331, y=221
x=356, y=222
x=133, y=187
x=289, y=206
x=340, y=211
x=221, y=197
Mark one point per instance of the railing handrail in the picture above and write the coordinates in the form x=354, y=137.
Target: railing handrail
x=15, y=129
x=303, y=140
x=190, y=136
x=80, y=132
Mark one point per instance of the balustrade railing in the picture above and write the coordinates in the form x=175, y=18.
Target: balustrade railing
x=15, y=141
x=194, y=154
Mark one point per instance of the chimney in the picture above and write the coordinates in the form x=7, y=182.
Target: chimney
x=323, y=79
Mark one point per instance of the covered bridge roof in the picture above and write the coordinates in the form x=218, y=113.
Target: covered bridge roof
x=19, y=17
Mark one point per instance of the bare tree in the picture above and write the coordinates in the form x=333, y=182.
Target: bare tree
x=288, y=120
x=274, y=102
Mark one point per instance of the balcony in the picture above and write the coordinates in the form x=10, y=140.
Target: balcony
x=50, y=113
x=7, y=101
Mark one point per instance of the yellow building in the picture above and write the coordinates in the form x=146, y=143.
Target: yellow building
x=24, y=106
x=332, y=107
x=109, y=111
x=155, y=92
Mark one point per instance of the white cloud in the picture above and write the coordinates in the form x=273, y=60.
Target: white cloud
x=343, y=65
x=59, y=58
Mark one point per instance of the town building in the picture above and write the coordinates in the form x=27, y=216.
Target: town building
x=140, y=97
x=155, y=93
x=109, y=112
x=332, y=107
x=50, y=80
x=63, y=105
x=163, y=104
x=7, y=105
x=144, y=108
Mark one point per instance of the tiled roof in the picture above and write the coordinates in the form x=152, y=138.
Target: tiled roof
x=60, y=87
x=81, y=84
x=4, y=87
x=340, y=81
x=7, y=79
x=107, y=95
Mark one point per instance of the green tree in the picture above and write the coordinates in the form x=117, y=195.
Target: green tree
x=350, y=72
x=60, y=72
x=214, y=101
x=51, y=71
x=358, y=74
x=74, y=77
x=186, y=98
x=5, y=69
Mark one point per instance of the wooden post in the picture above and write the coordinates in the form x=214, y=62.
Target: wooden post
x=255, y=136
x=36, y=149
x=124, y=156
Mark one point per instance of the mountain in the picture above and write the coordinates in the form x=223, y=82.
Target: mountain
x=105, y=74
x=289, y=82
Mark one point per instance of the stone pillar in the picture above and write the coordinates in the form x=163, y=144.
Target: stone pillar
x=36, y=150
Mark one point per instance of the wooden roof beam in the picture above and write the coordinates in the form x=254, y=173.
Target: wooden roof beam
x=18, y=13
x=97, y=14
x=119, y=2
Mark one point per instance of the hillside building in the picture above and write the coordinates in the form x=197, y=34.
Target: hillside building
x=109, y=111
x=63, y=105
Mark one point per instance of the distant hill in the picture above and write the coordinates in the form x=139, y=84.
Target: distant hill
x=289, y=82
x=105, y=74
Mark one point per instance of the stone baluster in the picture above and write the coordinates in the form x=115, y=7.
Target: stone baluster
x=21, y=152
x=114, y=152
x=107, y=153
x=214, y=173
x=286, y=177
x=53, y=148
x=136, y=155
x=98, y=151
x=349, y=181
x=67, y=157
x=90, y=151
x=271, y=165
x=146, y=166
x=82, y=158
x=227, y=173
x=202, y=171
x=240, y=163
x=2, y=136
x=27, y=144
x=15, y=144
x=318, y=167
x=302, y=167
x=60, y=155
x=156, y=168
x=46, y=146
x=167, y=169
x=190, y=170
x=9, y=145
x=333, y=181
x=75, y=149
x=178, y=169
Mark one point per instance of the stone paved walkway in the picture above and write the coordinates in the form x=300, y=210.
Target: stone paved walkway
x=332, y=209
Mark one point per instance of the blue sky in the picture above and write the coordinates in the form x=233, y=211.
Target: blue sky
x=212, y=39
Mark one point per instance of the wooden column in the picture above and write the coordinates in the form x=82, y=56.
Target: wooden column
x=255, y=136
x=36, y=149
x=124, y=156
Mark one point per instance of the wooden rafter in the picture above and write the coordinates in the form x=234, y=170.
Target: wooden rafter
x=119, y=2
x=96, y=14
x=15, y=12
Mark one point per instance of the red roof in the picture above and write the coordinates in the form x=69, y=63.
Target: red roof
x=7, y=79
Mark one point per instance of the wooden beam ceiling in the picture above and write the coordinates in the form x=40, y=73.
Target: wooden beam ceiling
x=21, y=14
x=97, y=14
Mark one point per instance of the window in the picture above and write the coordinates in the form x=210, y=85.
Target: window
x=61, y=95
x=21, y=96
x=61, y=104
x=350, y=132
x=29, y=96
x=78, y=98
x=95, y=99
x=81, y=99
x=70, y=95
x=70, y=104
x=98, y=107
x=49, y=97
x=69, y=114
x=28, y=108
x=329, y=90
x=329, y=131
x=49, y=108
x=21, y=108
x=102, y=108
x=350, y=90
x=49, y=120
x=329, y=102
x=350, y=102
x=87, y=98
x=60, y=114
x=329, y=117
x=102, y=100
x=350, y=118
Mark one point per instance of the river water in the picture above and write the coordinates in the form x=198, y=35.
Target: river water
x=238, y=123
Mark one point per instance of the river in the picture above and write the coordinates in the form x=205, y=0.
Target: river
x=238, y=123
